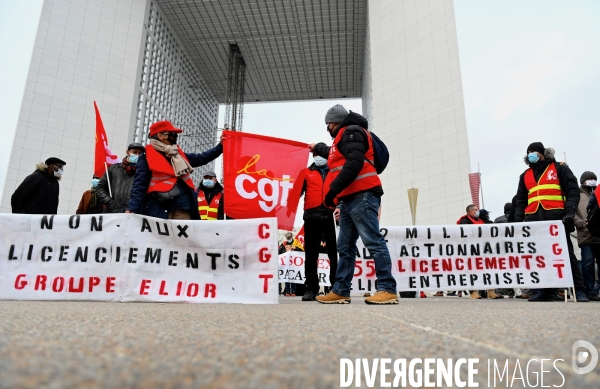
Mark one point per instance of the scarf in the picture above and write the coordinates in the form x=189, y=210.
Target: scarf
x=128, y=166
x=180, y=165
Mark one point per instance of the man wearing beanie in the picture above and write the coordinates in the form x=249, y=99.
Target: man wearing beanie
x=589, y=244
x=38, y=193
x=163, y=185
x=353, y=181
x=548, y=190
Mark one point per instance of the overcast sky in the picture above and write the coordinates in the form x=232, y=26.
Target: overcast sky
x=530, y=72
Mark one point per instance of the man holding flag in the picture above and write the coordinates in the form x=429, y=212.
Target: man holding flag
x=163, y=185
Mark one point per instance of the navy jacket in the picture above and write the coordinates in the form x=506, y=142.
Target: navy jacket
x=145, y=203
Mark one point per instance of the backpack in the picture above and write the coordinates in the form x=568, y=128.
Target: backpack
x=382, y=155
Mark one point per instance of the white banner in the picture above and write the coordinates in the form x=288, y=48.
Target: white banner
x=123, y=257
x=468, y=257
x=291, y=268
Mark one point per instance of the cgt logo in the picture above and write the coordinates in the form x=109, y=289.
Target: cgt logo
x=579, y=357
x=272, y=191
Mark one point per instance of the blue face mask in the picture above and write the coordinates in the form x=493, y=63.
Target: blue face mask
x=133, y=158
x=208, y=183
x=95, y=182
x=533, y=157
x=320, y=161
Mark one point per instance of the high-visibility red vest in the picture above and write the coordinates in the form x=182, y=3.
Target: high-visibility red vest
x=546, y=191
x=208, y=211
x=315, y=189
x=472, y=219
x=367, y=177
x=163, y=176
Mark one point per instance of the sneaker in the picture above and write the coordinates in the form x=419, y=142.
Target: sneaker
x=423, y=295
x=581, y=297
x=540, y=295
x=439, y=294
x=382, y=297
x=287, y=295
x=332, y=298
x=491, y=294
x=293, y=295
x=408, y=295
x=593, y=297
x=475, y=295
x=309, y=296
x=367, y=294
x=459, y=294
x=451, y=294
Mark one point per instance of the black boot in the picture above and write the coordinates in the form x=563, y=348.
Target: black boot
x=309, y=296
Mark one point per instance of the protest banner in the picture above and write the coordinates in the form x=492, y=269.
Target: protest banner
x=125, y=257
x=465, y=257
x=259, y=172
x=291, y=268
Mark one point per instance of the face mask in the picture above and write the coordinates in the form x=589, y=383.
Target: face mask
x=172, y=138
x=533, y=157
x=320, y=161
x=95, y=182
x=133, y=158
x=208, y=183
x=58, y=173
x=477, y=214
x=591, y=183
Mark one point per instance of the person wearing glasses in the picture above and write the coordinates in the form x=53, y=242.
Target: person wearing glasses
x=38, y=193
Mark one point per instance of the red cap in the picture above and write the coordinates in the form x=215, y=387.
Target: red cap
x=163, y=126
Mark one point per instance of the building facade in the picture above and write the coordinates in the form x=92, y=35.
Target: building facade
x=149, y=60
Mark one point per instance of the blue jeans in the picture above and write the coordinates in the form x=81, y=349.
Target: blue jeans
x=588, y=268
x=358, y=217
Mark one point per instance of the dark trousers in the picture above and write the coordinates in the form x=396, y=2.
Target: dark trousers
x=316, y=231
x=575, y=269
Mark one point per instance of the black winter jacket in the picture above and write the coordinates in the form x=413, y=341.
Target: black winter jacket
x=120, y=186
x=37, y=194
x=568, y=184
x=353, y=146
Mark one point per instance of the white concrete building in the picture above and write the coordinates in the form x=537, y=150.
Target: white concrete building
x=149, y=60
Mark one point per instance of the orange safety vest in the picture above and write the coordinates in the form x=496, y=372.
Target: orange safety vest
x=367, y=177
x=546, y=191
x=205, y=210
x=163, y=176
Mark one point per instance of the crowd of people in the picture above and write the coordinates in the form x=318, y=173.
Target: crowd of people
x=341, y=186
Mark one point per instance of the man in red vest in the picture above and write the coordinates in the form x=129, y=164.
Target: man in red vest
x=163, y=185
x=548, y=190
x=353, y=180
x=472, y=216
x=319, y=225
x=210, y=197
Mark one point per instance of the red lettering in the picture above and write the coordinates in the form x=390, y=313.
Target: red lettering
x=20, y=284
x=58, y=284
x=162, y=291
x=527, y=258
x=210, y=290
x=460, y=264
x=435, y=265
x=556, y=249
x=282, y=261
x=540, y=262
x=423, y=267
x=479, y=263
x=40, y=281
x=79, y=288
x=357, y=265
x=266, y=284
x=370, y=265
x=413, y=265
x=192, y=289
x=94, y=281
x=179, y=286
x=502, y=263
x=110, y=282
x=490, y=263
x=264, y=257
x=559, y=267
x=144, y=286
x=469, y=264
x=553, y=230
x=263, y=231
x=447, y=264
x=298, y=261
x=513, y=262
x=401, y=269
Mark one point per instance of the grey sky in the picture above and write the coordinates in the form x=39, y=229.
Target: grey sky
x=529, y=69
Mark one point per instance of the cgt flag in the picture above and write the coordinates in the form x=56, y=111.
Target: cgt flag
x=259, y=172
x=103, y=153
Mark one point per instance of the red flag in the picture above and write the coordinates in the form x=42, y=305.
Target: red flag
x=474, y=183
x=259, y=172
x=103, y=153
x=299, y=239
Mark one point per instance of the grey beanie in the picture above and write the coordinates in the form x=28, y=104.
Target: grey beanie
x=587, y=176
x=336, y=114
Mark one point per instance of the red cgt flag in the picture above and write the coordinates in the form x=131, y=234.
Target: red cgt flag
x=259, y=173
x=103, y=153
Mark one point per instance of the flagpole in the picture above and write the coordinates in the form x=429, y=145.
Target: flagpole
x=108, y=179
x=481, y=186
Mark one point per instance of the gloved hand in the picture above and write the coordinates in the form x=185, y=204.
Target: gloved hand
x=330, y=199
x=569, y=223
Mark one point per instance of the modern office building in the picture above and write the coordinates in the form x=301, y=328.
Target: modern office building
x=149, y=60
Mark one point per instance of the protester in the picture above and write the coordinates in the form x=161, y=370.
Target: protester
x=210, y=198
x=38, y=193
x=289, y=240
x=484, y=215
x=472, y=216
x=353, y=179
x=590, y=245
x=548, y=190
x=163, y=185
x=90, y=204
x=114, y=188
x=319, y=225
x=504, y=218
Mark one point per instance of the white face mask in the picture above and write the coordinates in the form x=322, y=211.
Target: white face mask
x=58, y=173
x=591, y=183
